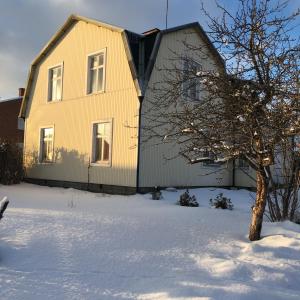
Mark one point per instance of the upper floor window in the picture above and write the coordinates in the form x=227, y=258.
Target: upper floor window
x=96, y=72
x=211, y=158
x=46, y=144
x=243, y=164
x=190, y=82
x=102, y=140
x=55, y=83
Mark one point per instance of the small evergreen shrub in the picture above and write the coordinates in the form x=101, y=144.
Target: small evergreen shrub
x=187, y=200
x=297, y=217
x=156, y=194
x=11, y=167
x=221, y=202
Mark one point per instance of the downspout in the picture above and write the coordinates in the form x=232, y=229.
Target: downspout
x=139, y=145
x=233, y=173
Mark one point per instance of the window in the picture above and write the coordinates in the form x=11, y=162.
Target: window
x=243, y=164
x=96, y=72
x=55, y=83
x=46, y=144
x=102, y=133
x=190, y=85
x=296, y=142
x=212, y=158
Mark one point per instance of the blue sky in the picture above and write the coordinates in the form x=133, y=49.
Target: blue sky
x=27, y=25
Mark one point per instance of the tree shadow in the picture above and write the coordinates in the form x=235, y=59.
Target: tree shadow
x=71, y=168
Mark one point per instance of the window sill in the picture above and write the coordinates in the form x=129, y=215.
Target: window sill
x=47, y=163
x=95, y=93
x=53, y=101
x=101, y=164
x=211, y=165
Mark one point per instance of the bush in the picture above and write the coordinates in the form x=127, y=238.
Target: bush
x=11, y=167
x=297, y=217
x=156, y=194
x=187, y=200
x=221, y=202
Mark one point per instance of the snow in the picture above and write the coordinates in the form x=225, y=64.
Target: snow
x=67, y=244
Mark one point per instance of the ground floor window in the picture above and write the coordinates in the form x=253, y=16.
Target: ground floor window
x=46, y=144
x=102, y=142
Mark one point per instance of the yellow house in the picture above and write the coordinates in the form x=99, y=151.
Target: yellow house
x=83, y=109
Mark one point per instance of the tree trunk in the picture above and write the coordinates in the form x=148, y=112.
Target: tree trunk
x=259, y=208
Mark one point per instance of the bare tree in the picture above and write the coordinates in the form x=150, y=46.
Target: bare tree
x=283, y=201
x=243, y=109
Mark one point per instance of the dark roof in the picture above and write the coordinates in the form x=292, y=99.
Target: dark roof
x=146, y=46
x=11, y=99
x=150, y=31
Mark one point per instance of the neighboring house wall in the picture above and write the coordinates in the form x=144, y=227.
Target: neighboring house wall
x=245, y=177
x=155, y=169
x=9, y=129
x=73, y=116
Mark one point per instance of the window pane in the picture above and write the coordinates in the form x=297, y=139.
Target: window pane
x=48, y=132
x=100, y=129
x=98, y=149
x=94, y=62
x=49, y=150
x=55, y=82
x=100, y=79
x=105, y=150
x=47, y=144
x=58, y=69
x=44, y=151
x=107, y=127
x=53, y=94
x=101, y=59
x=101, y=140
x=93, y=87
x=96, y=73
x=58, y=89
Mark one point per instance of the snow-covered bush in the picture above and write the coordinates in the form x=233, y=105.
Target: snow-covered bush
x=11, y=168
x=221, y=202
x=187, y=200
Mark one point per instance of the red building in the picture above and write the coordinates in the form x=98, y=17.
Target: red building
x=11, y=127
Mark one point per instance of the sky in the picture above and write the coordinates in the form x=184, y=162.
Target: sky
x=27, y=25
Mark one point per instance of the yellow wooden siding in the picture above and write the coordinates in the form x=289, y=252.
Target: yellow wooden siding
x=154, y=168
x=73, y=116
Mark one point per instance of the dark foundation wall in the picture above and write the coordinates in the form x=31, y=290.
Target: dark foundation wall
x=92, y=187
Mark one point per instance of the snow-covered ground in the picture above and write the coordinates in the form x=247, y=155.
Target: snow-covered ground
x=68, y=244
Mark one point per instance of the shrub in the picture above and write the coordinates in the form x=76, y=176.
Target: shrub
x=11, y=167
x=221, y=202
x=187, y=200
x=156, y=194
x=297, y=217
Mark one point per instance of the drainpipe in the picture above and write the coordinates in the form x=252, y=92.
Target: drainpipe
x=233, y=173
x=139, y=145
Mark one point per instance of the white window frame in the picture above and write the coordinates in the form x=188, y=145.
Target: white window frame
x=92, y=160
x=49, y=96
x=88, y=72
x=211, y=163
x=40, y=152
